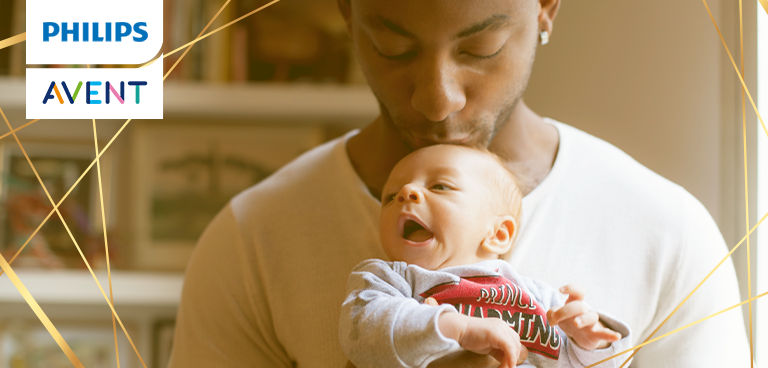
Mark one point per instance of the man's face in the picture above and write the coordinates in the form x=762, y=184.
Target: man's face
x=446, y=71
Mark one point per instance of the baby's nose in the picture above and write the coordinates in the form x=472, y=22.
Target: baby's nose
x=409, y=193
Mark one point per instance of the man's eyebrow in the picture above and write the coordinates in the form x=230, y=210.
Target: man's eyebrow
x=378, y=20
x=494, y=21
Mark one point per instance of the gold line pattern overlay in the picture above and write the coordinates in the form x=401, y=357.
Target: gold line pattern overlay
x=746, y=184
x=5, y=266
x=106, y=243
x=745, y=90
x=13, y=40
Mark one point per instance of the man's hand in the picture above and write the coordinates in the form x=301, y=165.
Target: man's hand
x=490, y=336
x=579, y=323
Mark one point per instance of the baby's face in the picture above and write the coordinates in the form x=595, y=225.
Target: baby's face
x=437, y=208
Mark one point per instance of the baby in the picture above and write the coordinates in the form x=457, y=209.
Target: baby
x=449, y=218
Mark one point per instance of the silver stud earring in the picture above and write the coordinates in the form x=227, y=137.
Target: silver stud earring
x=544, y=35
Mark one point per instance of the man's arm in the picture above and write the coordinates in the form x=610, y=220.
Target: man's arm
x=717, y=342
x=224, y=319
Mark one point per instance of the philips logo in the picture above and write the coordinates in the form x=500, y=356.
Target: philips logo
x=101, y=32
x=95, y=31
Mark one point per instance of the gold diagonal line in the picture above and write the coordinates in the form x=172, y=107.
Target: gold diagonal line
x=114, y=313
x=702, y=282
x=40, y=314
x=743, y=85
x=679, y=329
x=19, y=128
x=764, y=3
x=30, y=300
x=106, y=243
x=10, y=41
x=68, y=192
x=746, y=181
x=66, y=227
x=198, y=36
x=212, y=32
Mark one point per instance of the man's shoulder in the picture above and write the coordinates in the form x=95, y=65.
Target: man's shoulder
x=609, y=175
x=608, y=165
x=308, y=176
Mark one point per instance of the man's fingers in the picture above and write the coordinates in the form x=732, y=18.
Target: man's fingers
x=504, y=358
x=523, y=355
x=574, y=292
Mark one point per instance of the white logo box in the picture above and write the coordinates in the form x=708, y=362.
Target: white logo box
x=119, y=14
x=150, y=104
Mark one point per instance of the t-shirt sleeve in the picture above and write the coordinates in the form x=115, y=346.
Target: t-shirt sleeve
x=717, y=342
x=381, y=325
x=224, y=319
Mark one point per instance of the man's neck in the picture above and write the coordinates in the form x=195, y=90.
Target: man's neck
x=526, y=143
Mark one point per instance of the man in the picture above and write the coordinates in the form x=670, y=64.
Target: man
x=266, y=282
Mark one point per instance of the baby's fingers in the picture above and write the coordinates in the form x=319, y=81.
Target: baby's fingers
x=574, y=292
x=570, y=310
x=431, y=301
x=587, y=319
x=605, y=334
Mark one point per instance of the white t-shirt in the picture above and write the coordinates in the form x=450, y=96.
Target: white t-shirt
x=265, y=285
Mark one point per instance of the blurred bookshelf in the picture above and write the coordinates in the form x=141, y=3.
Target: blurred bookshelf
x=352, y=105
x=241, y=104
x=77, y=287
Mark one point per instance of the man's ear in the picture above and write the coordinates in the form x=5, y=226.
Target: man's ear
x=500, y=240
x=547, y=12
x=345, y=7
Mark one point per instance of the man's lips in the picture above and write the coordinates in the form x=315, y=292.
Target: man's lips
x=413, y=230
x=424, y=142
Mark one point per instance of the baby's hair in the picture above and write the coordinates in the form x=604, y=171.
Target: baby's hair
x=510, y=201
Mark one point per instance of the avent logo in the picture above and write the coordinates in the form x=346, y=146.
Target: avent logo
x=91, y=92
x=93, y=31
x=96, y=93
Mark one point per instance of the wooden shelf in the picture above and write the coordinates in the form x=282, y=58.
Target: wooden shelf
x=293, y=102
x=78, y=287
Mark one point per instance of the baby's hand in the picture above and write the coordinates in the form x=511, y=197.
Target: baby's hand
x=490, y=336
x=580, y=324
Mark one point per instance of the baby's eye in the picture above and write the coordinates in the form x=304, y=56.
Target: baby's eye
x=440, y=187
x=389, y=198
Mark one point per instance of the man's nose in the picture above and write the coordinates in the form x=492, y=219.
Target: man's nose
x=437, y=91
x=410, y=193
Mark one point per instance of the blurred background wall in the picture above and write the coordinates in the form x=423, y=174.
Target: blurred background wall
x=653, y=79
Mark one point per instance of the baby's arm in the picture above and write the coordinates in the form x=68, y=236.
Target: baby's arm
x=382, y=326
x=592, y=336
x=580, y=324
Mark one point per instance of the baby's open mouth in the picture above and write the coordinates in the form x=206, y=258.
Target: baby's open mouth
x=414, y=232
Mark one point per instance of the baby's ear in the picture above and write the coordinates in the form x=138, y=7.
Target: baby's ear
x=500, y=240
